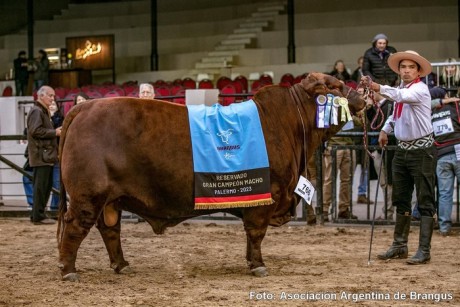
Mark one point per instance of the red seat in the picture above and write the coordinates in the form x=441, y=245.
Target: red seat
x=70, y=96
x=159, y=83
x=238, y=86
x=60, y=92
x=228, y=89
x=255, y=86
x=205, y=83
x=266, y=78
x=180, y=100
x=75, y=90
x=222, y=82
x=189, y=83
x=162, y=91
x=134, y=93
x=287, y=78
x=113, y=93
x=244, y=81
x=175, y=89
x=68, y=102
x=130, y=88
x=112, y=88
x=86, y=88
x=93, y=94
x=128, y=83
x=104, y=90
x=177, y=81
x=7, y=91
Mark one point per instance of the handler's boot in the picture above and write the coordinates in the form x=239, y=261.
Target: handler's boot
x=399, y=247
x=424, y=244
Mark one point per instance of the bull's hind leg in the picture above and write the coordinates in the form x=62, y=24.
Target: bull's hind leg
x=111, y=236
x=255, y=234
x=75, y=225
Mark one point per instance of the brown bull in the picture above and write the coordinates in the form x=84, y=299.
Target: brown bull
x=130, y=154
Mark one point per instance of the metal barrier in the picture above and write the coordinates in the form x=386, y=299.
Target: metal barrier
x=455, y=221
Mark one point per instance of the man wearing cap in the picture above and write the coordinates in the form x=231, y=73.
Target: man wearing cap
x=415, y=157
x=375, y=62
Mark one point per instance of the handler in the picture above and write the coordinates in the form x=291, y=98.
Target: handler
x=414, y=161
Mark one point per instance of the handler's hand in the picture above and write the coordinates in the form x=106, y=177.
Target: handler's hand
x=367, y=81
x=383, y=139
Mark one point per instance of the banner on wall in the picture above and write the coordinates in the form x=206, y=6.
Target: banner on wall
x=95, y=52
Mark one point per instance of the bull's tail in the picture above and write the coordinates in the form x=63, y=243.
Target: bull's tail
x=63, y=201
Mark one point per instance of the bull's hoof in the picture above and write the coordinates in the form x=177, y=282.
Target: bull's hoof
x=71, y=277
x=126, y=270
x=260, y=271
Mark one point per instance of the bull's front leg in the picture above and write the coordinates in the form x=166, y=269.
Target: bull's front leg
x=255, y=235
x=111, y=237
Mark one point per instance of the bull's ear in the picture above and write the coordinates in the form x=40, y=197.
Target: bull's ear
x=314, y=84
x=333, y=83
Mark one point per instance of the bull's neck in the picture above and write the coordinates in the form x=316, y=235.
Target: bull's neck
x=296, y=92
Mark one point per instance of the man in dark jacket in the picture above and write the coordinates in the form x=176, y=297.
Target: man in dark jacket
x=446, y=125
x=42, y=148
x=21, y=74
x=375, y=62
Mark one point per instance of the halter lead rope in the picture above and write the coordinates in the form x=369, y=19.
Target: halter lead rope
x=297, y=101
x=369, y=94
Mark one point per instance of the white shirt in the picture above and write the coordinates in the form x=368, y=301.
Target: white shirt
x=413, y=121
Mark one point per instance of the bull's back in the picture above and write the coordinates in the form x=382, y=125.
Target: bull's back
x=128, y=147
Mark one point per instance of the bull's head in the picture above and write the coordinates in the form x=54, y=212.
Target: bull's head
x=321, y=84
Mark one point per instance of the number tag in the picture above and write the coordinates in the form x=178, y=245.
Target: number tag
x=305, y=189
x=443, y=126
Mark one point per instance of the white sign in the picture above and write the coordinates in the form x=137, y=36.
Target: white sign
x=305, y=189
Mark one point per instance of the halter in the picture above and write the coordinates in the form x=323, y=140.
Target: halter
x=369, y=93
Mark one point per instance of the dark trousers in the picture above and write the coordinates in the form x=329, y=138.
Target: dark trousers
x=43, y=181
x=414, y=167
x=21, y=87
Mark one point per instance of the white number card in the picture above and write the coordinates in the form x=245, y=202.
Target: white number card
x=305, y=189
x=443, y=126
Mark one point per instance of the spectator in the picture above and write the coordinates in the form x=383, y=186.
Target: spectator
x=446, y=125
x=41, y=70
x=375, y=62
x=344, y=161
x=146, y=91
x=340, y=71
x=450, y=77
x=79, y=98
x=42, y=148
x=358, y=72
x=57, y=118
x=414, y=158
x=21, y=74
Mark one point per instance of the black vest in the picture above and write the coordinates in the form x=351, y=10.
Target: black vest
x=446, y=126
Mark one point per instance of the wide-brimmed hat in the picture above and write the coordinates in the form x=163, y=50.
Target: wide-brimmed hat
x=396, y=58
